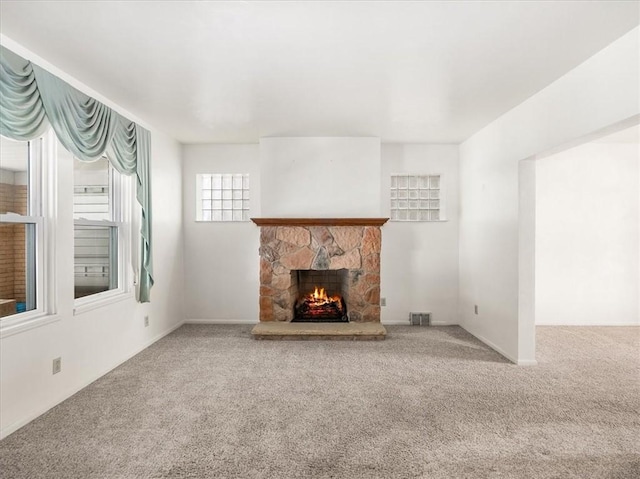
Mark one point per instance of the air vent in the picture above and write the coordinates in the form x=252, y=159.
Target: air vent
x=420, y=319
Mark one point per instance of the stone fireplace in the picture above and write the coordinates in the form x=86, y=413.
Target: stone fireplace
x=341, y=255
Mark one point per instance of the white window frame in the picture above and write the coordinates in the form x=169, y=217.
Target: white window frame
x=42, y=175
x=120, y=208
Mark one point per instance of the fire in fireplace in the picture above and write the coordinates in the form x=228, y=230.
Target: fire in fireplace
x=319, y=307
x=320, y=295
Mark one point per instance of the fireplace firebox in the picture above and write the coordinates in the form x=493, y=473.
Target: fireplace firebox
x=321, y=295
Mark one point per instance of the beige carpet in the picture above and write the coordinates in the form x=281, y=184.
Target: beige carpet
x=209, y=402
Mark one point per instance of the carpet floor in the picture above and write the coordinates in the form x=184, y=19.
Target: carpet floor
x=207, y=401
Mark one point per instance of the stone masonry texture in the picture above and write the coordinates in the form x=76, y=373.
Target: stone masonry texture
x=284, y=249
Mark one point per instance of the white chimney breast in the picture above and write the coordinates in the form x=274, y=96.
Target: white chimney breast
x=320, y=177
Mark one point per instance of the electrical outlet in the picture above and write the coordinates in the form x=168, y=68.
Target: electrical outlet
x=57, y=365
x=146, y=321
x=383, y=301
x=475, y=309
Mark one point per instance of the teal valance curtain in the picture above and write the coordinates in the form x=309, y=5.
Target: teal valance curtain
x=32, y=99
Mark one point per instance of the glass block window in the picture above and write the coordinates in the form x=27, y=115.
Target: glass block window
x=222, y=197
x=415, y=198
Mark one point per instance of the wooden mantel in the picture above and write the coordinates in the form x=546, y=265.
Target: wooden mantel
x=319, y=221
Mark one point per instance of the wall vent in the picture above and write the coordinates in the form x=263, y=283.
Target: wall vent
x=420, y=319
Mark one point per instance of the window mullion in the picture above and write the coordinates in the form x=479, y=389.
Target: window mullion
x=34, y=207
x=19, y=219
x=102, y=223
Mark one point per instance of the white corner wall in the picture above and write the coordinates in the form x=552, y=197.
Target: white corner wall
x=598, y=93
x=419, y=261
x=92, y=343
x=587, y=241
x=222, y=259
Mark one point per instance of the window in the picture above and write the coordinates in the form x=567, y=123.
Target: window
x=416, y=198
x=21, y=228
x=222, y=197
x=98, y=228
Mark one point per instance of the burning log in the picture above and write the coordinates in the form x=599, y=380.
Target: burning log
x=317, y=306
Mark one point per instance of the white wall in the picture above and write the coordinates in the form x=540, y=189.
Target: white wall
x=92, y=343
x=304, y=177
x=221, y=259
x=587, y=238
x=419, y=261
x=320, y=177
x=600, y=92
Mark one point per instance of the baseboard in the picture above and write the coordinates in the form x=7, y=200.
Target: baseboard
x=220, y=321
x=622, y=323
x=253, y=321
x=521, y=362
x=527, y=362
x=17, y=425
x=407, y=323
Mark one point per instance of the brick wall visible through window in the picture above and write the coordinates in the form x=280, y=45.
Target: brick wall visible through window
x=21, y=226
x=13, y=198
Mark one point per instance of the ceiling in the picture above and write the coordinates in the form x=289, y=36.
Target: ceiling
x=629, y=135
x=205, y=71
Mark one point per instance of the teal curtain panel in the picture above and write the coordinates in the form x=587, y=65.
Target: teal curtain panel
x=32, y=100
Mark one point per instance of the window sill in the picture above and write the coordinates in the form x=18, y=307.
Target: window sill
x=419, y=221
x=223, y=221
x=19, y=323
x=100, y=300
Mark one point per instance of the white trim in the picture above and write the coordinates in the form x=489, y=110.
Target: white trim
x=527, y=362
x=227, y=221
x=406, y=322
x=221, y=321
x=21, y=322
x=393, y=322
x=199, y=197
x=100, y=300
x=125, y=242
x=50, y=213
x=23, y=422
x=97, y=223
x=396, y=322
x=19, y=219
x=586, y=325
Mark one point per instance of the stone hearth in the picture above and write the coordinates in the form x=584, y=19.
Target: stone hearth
x=289, y=244
x=335, y=331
